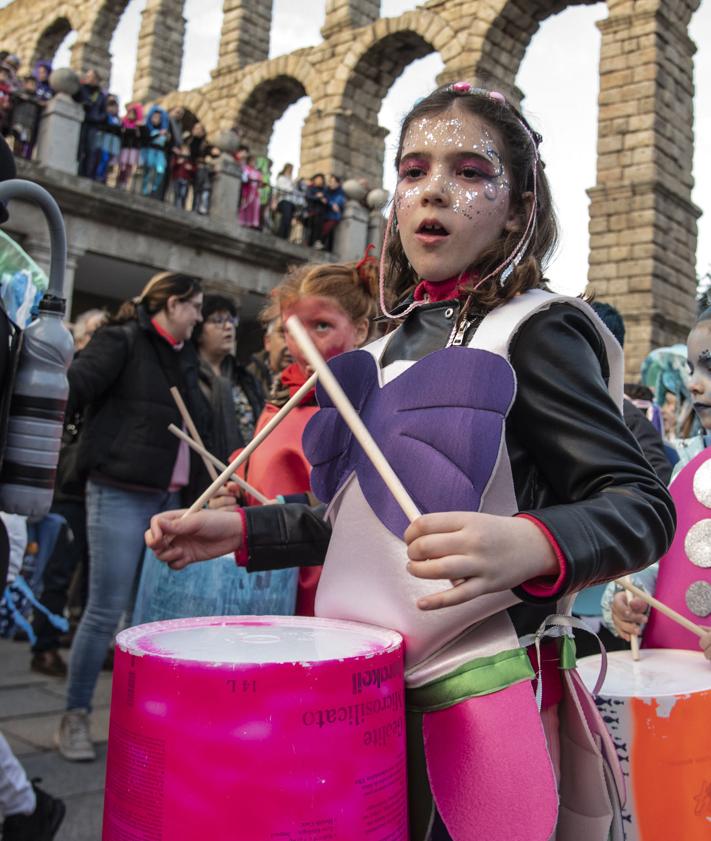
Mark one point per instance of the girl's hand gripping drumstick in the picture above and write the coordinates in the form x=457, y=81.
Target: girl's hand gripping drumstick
x=661, y=607
x=634, y=639
x=206, y=455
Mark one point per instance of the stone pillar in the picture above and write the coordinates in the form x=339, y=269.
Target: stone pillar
x=160, y=49
x=246, y=26
x=642, y=221
x=376, y=230
x=351, y=235
x=345, y=14
x=226, y=187
x=90, y=54
x=341, y=142
x=59, y=130
x=73, y=257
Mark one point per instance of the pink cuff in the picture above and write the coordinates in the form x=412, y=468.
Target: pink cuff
x=242, y=554
x=545, y=586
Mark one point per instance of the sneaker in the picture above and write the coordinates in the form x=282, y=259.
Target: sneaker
x=48, y=663
x=73, y=737
x=318, y=245
x=41, y=825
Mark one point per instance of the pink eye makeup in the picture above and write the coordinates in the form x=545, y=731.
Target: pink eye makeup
x=478, y=168
x=412, y=167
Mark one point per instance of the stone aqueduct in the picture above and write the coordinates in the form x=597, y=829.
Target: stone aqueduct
x=642, y=220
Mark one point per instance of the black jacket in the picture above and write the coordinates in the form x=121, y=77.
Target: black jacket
x=123, y=379
x=649, y=440
x=576, y=467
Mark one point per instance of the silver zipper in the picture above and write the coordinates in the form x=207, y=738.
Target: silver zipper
x=458, y=339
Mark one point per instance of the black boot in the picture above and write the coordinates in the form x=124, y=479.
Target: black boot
x=41, y=825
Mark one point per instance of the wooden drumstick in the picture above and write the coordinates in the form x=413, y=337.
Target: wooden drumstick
x=353, y=421
x=662, y=608
x=218, y=464
x=351, y=417
x=634, y=639
x=192, y=429
x=226, y=474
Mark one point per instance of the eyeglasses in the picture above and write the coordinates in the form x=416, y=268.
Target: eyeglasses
x=222, y=320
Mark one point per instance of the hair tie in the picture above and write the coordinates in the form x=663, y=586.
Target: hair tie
x=366, y=260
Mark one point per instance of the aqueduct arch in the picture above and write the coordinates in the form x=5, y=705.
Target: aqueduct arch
x=642, y=221
x=51, y=38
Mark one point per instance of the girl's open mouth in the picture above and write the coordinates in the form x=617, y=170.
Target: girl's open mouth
x=430, y=231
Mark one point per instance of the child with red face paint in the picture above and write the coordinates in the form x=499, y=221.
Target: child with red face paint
x=498, y=405
x=335, y=303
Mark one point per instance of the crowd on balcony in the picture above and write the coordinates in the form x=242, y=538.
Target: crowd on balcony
x=167, y=155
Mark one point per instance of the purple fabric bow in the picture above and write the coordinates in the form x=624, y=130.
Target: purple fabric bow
x=439, y=425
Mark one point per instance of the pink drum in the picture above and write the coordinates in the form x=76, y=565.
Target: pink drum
x=257, y=729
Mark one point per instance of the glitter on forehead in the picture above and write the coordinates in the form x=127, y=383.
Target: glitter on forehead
x=454, y=132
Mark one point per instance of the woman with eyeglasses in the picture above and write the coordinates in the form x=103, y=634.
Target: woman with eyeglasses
x=134, y=466
x=234, y=394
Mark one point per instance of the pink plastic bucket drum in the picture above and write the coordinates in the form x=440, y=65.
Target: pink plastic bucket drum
x=658, y=712
x=257, y=729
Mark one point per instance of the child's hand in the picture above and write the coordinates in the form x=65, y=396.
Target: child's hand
x=224, y=498
x=628, y=618
x=705, y=643
x=205, y=534
x=491, y=553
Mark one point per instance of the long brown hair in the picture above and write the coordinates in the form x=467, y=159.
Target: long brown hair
x=156, y=292
x=523, y=164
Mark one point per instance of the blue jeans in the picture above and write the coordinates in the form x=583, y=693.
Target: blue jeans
x=115, y=522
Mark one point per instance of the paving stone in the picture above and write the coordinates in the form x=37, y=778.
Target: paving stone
x=27, y=700
x=67, y=779
x=83, y=819
x=39, y=730
x=102, y=693
x=19, y=746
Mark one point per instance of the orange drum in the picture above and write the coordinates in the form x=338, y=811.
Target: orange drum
x=658, y=712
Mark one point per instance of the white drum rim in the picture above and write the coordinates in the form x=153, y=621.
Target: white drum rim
x=127, y=640
x=619, y=659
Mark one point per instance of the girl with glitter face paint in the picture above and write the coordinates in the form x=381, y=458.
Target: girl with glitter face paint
x=497, y=403
x=625, y=618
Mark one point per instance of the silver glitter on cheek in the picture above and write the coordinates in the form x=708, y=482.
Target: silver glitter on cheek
x=702, y=484
x=491, y=190
x=697, y=544
x=698, y=598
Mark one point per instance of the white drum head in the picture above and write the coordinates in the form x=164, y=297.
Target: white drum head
x=257, y=639
x=660, y=672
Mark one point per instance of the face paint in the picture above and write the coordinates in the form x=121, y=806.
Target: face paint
x=330, y=328
x=698, y=355
x=453, y=196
